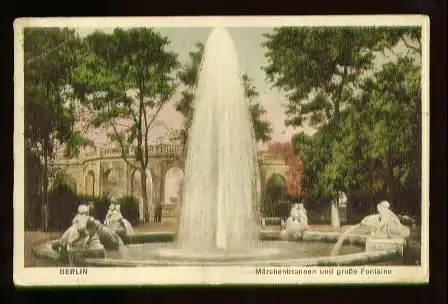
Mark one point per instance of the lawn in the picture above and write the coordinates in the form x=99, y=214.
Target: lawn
x=32, y=239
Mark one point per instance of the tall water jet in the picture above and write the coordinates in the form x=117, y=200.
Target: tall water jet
x=221, y=180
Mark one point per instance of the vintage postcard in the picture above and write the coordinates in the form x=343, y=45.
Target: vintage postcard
x=221, y=150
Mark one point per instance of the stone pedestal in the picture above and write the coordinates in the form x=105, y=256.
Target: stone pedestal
x=396, y=244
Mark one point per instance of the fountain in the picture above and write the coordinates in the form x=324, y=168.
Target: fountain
x=219, y=191
x=387, y=232
x=218, y=221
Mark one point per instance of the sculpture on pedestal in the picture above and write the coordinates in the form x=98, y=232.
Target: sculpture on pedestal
x=385, y=223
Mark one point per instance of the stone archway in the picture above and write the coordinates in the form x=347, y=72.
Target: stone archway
x=136, y=189
x=173, y=185
x=173, y=180
x=65, y=178
x=111, y=183
x=274, y=192
x=89, y=184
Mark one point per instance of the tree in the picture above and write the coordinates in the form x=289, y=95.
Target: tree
x=320, y=67
x=188, y=76
x=262, y=128
x=125, y=81
x=49, y=114
x=295, y=166
x=394, y=137
x=377, y=150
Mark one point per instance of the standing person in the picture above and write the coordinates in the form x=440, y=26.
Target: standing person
x=155, y=213
x=158, y=213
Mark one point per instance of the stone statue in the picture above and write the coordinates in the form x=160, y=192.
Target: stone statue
x=127, y=226
x=296, y=223
x=385, y=223
x=334, y=210
x=87, y=237
x=81, y=238
x=76, y=233
x=109, y=213
x=115, y=221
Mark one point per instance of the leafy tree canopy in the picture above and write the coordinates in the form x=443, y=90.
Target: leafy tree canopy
x=368, y=137
x=126, y=79
x=320, y=67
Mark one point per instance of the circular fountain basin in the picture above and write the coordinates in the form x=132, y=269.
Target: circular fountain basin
x=158, y=249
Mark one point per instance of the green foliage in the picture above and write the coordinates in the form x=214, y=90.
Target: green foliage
x=371, y=149
x=98, y=205
x=129, y=207
x=275, y=191
x=377, y=149
x=262, y=128
x=116, y=64
x=50, y=116
x=320, y=67
x=50, y=54
x=33, y=189
x=126, y=75
x=188, y=76
x=63, y=204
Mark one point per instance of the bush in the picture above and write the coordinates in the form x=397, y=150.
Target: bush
x=130, y=210
x=63, y=205
x=98, y=206
x=283, y=209
x=33, y=187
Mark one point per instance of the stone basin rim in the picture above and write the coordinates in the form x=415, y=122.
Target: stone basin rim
x=359, y=258
x=45, y=251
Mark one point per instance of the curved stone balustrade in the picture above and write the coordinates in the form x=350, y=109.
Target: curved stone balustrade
x=157, y=150
x=90, y=169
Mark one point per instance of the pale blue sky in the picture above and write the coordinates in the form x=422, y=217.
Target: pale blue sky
x=251, y=56
x=247, y=42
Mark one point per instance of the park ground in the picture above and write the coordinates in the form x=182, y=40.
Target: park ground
x=34, y=238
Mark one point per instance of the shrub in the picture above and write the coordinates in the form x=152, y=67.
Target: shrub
x=33, y=187
x=283, y=209
x=63, y=204
x=98, y=206
x=129, y=207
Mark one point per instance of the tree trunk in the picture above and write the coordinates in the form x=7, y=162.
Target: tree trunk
x=45, y=211
x=146, y=214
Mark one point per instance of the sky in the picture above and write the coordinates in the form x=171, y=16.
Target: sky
x=251, y=58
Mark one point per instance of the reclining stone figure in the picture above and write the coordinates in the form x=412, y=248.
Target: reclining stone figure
x=86, y=237
x=385, y=223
